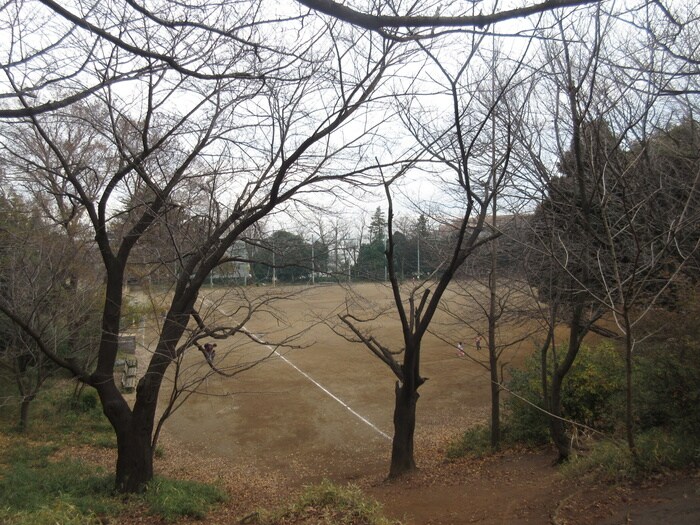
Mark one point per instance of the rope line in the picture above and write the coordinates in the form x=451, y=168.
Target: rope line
x=323, y=388
x=258, y=340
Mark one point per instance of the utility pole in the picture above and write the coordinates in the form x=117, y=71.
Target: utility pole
x=274, y=266
x=313, y=264
x=418, y=247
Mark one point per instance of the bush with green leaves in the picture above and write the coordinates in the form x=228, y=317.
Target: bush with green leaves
x=610, y=459
x=592, y=394
x=475, y=442
x=667, y=386
x=74, y=417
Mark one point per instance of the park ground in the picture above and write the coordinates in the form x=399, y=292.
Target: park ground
x=323, y=410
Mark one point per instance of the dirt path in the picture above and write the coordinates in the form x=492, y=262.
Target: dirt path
x=503, y=489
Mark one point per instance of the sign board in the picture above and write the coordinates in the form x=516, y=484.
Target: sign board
x=127, y=344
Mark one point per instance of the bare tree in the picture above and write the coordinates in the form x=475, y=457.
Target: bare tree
x=455, y=144
x=38, y=289
x=248, y=145
x=416, y=16
x=591, y=223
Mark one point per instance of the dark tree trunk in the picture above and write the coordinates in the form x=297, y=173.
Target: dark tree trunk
x=629, y=405
x=134, y=459
x=493, y=355
x=495, y=400
x=134, y=428
x=557, y=427
x=24, y=413
x=402, y=459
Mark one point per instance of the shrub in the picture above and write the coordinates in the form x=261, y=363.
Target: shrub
x=84, y=402
x=658, y=449
x=475, y=442
x=326, y=504
x=607, y=460
x=133, y=312
x=591, y=394
x=667, y=386
x=611, y=460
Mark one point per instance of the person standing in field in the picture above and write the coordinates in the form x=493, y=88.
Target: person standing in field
x=477, y=342
x=460, y=349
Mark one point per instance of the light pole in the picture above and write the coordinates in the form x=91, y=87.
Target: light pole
x=274, y=267
x=313, y=265
x=418, y=253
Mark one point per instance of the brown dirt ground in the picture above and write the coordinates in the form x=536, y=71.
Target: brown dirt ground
x=269, y=431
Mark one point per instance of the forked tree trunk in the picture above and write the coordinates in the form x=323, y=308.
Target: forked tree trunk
x=134, y=432
x=556, y=424
x=132, y=471
x=402, y=459
x=135, y=463
x=557, y=427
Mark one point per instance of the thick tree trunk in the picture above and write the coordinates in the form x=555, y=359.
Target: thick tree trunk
x=402, y=459
x=133, y=470
x=134, y=431
x=120, y=417
x=134, y=459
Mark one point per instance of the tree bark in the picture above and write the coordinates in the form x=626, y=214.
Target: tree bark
x=135, y=463
x=24, y=412
x=134, y=459
x=495, y=399
x=557, y=427
x=402, y=458
x=629, y=404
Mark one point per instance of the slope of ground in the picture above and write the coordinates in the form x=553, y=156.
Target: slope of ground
x=513, y=487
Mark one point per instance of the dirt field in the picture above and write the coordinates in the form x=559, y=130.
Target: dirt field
x=324, y=410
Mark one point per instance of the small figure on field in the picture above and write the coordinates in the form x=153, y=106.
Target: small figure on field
x=477, y=342
x=209, y=352
x=460, y=349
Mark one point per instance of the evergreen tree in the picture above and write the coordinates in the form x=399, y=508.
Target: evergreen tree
x=377, y=228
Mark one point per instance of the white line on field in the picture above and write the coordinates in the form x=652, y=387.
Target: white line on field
x=307, y=376
x=319, y=385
